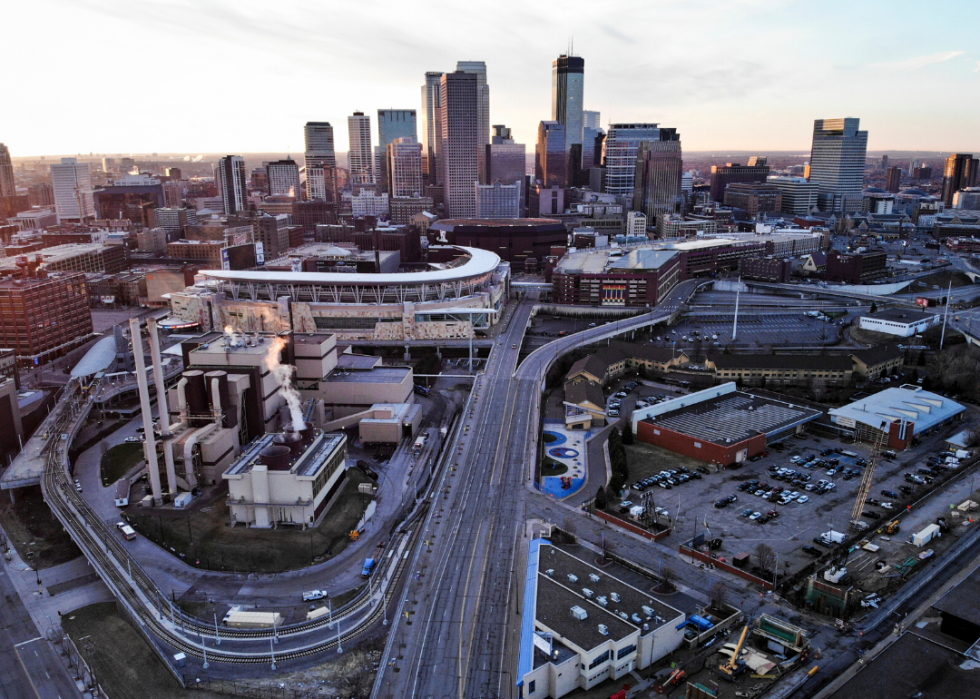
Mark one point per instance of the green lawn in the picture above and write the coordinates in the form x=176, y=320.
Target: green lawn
x=100, y=635
x=550, y=467
x=119, y=460
x=38, y=537
x=204, y=538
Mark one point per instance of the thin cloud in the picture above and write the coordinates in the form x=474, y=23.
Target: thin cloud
x=919, y=61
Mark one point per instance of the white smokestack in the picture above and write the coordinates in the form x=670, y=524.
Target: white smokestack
x=284, y=377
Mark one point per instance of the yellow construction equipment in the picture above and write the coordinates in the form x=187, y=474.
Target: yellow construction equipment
x=354, y=534
x=893, y=527
x=730, y=669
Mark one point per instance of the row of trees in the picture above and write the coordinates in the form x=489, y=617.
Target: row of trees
x=619, y=466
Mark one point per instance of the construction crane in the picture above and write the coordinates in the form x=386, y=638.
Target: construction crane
x=730, y=669
x=869, y=472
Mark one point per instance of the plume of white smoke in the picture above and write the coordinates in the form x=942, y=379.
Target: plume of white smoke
x=284, y=377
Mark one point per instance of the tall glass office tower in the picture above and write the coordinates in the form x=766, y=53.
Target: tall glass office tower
x=619, y=155
x=567, y=90
x=837, y=160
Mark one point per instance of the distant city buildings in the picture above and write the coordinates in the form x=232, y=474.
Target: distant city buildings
x=837, y=159
x=723, y=175
x=320, y=160
x=590, y=120
x=799, y=195
x=403, y=167
x=754, y=198
x=960, y=172
x=360, y=156
x=479, y=69
x=893, y=179
x=550, y=155
x=229, y=176
x=73, y=196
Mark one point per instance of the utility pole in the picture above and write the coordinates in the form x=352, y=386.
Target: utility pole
x=942, y=337
x=738, y=289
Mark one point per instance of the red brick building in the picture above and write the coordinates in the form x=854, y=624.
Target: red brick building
x=43, y=316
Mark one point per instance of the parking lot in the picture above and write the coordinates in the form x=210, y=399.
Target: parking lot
x=796, y=522
x=777, y=328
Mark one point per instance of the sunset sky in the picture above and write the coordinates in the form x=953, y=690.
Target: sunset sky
x=186, y=76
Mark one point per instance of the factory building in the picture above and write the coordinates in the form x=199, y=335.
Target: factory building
x=582, y=626
x=286, y=478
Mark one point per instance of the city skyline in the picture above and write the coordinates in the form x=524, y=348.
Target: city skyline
x=777, y=87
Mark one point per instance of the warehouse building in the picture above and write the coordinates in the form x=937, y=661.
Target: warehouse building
x=582, y=626
x=720, y=425
x=900, y=413
x=899, y=321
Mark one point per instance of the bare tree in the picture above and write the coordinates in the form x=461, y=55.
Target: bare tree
x=765, y=556
x=719, y=594
x=667, y=578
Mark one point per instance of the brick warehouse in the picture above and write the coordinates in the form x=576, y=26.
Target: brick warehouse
x=719, y=425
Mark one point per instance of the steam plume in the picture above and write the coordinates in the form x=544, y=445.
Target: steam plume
x=284, y=377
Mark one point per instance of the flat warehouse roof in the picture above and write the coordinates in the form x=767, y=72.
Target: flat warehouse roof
x=388, y=374
x=733, y=417
x=907, y=402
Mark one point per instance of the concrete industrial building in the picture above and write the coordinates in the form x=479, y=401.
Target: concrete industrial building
x=286, y=478
x=899, y=321
x=582, y=626
x=720, y=425
x=900, y=413
x=458, y=300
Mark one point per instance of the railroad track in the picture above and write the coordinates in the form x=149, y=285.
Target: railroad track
x=132, y=586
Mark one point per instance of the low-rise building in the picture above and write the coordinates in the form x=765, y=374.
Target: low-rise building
x=677, y=227
x=877, y=361
x=899, y=321
x=767, y=269
x=774, y=370
x=582, y=626
x=857, y=268
x=585, y=406
x=899, y=413
x=614, y=360
x=754, y=198
x=389, y=423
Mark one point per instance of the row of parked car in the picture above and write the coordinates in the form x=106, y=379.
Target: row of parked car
x=668, y=478
x=612, y=410
x=752, y=516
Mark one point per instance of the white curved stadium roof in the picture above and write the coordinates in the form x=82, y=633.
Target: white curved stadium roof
x=480, y=262
x=98, y=358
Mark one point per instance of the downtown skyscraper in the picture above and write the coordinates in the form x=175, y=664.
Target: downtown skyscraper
x=360, y=156
x=321, y=161
x=479, y=69
x=460, y=142
x=229, y=176
x=959, y=173
x=659, y=166
x=837, y=160
x=392, y=125
x=551, y=155
x=619, y=156
x=283, y=177
x=567, y=94
x=73, y=197
x=7, y=188
x=430, y=128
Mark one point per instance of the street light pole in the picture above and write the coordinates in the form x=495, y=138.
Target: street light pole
x=217, y=634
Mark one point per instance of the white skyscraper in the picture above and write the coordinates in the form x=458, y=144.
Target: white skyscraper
x=283, y=178
x=7, y=187
x=361, y=156
x=229, y=176
x=72, y=182
x=590, y=120
x=479, y=68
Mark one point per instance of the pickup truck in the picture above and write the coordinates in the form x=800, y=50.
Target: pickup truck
x=368, y=568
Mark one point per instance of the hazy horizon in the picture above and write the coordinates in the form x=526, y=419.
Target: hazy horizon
x=212, y=76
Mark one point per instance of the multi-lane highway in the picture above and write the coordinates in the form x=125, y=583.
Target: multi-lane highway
x=450, y=637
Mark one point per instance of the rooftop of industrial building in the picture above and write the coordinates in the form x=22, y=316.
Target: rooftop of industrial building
x=725, y=416
x=905, y=402
x=306, y=464
x=381, y=374
x=901, y=315
x=557, y=581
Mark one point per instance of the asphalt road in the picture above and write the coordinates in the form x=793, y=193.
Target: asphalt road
x=29, y=669
x=451, y=638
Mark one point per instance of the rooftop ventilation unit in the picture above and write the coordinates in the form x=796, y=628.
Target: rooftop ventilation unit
x=587, y=592
x=624, y=616
x=593, y=577
x=572, y=578
x=636, y=618
x=603, y=629
x=602, y=600
x=579, y=613
x=648, y=610
x=550, y=572
x=614, y=596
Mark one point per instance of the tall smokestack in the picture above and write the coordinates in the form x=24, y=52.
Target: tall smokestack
x=149, y=446
x=162, y=409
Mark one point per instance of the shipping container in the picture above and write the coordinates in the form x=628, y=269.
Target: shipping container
x=238, y=619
